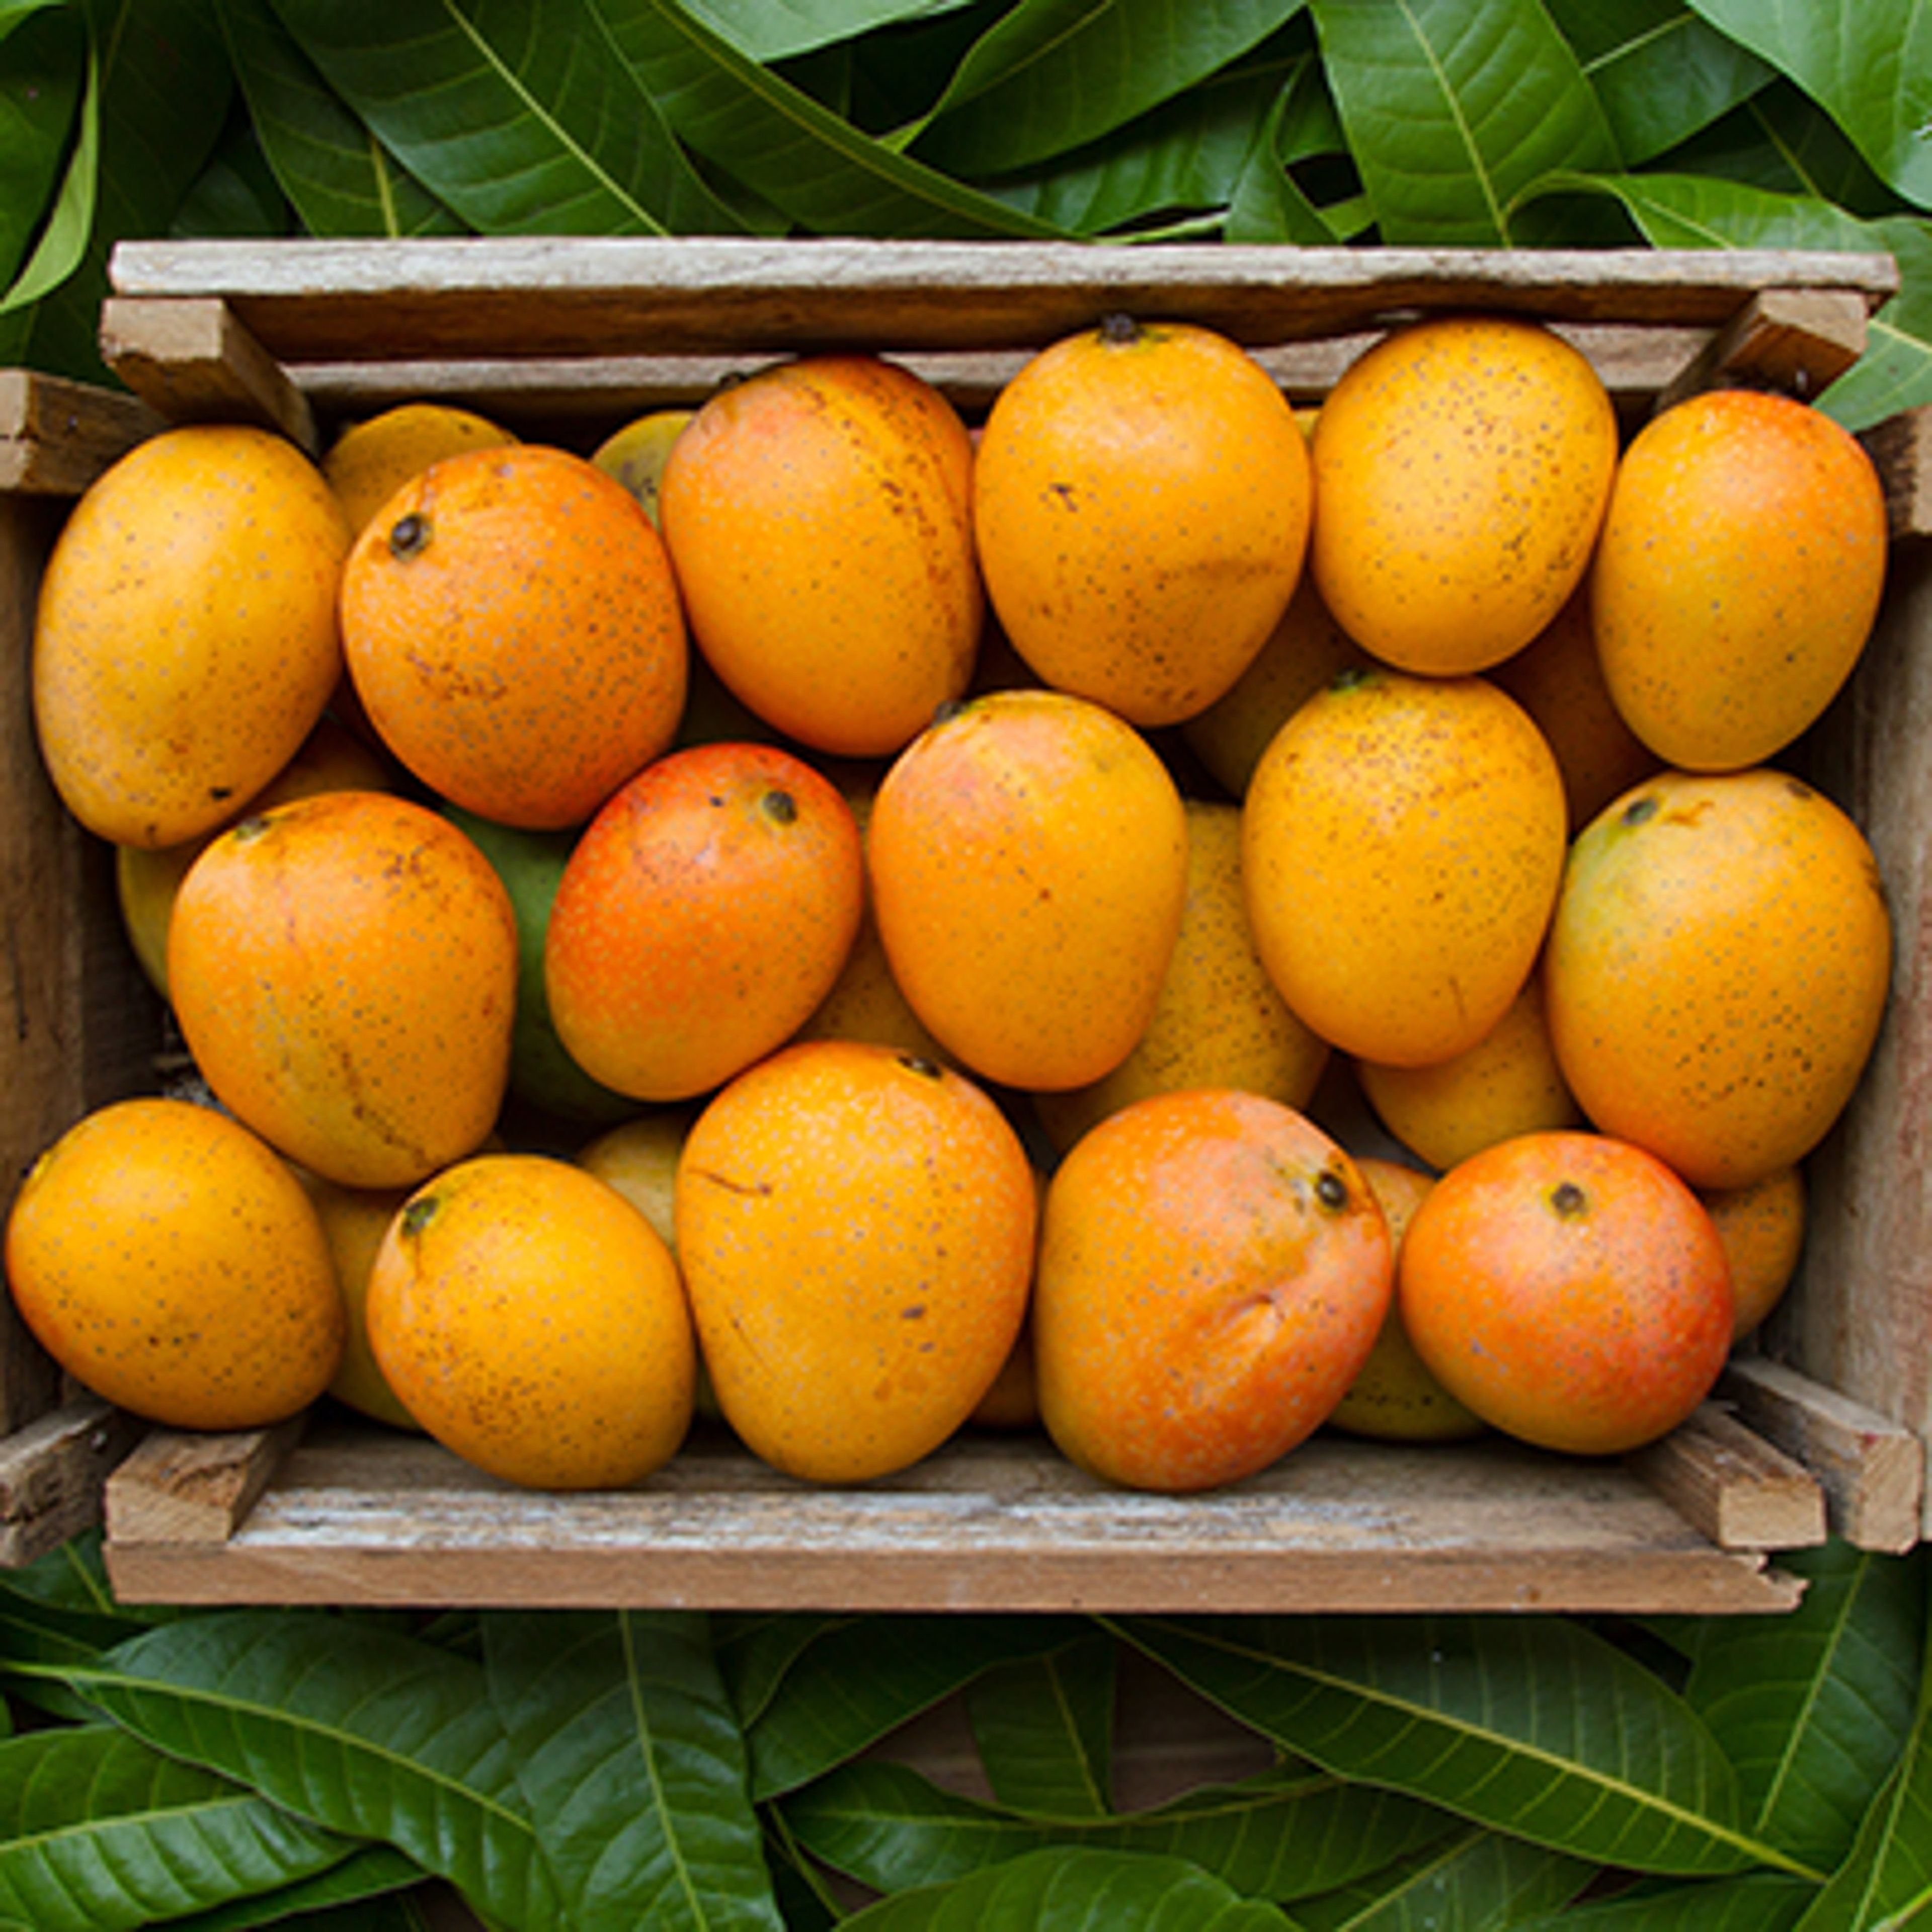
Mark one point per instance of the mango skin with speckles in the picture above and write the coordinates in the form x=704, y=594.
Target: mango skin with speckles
x=1462, y=467
x=185, y=641
x=168, y=1259
x=819, y=518
x=1718, y=966
x=1027, y=857
x=1141, y=498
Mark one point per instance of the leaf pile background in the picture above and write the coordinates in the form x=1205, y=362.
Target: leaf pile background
x=357, y=1769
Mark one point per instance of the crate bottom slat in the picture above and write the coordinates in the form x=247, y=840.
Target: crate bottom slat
x=356, y=1513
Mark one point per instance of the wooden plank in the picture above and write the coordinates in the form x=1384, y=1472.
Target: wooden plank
x=1872, y=1470
x=312, y=300
x=362, y=1515
x=194, y=362
x=57, y=436
x=1732, y=1485
x=1796, y=340
x=180, y=1485
x=51, y=1474
x=1901, y=446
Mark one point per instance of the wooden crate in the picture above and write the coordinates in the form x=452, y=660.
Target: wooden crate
x=1819, y=1428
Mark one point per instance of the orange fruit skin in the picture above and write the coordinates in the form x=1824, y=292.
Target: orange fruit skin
x=819, y=515
x=165, y=1257
x=1570, y=1289
x=1462, y=465
x=1214, y=1271
x=513, y=631
x=220, y=548
x=1762, y=1225
x=534, y=1323
x=1403, y=839
x=702, y=916
x=1028, y=863
x=1717, y=969
x=370, y=459
x=1142, y=502
x=857, y=1229
x=1738, y=576
x=344, y=973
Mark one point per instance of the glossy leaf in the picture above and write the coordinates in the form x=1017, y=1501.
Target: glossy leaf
x=362, y=1729
x=755, y=1649
x=631, y=1761
x=1049, y=76
x=338, y=177
x=1076, y=1892
x=516, y=113
x=1268, y=204
x=1751, y=1902
x=827, y=174
x=97, y=1830
x=69, y=224
x=859, y=1679
x=1782, y=141
x=1814, y=1708
x=1471, y=1881
x=1894, y=374
x=775, y=30
x=1869, y=64
x=357, y=1895
x=1454, y=112
x=1279, y=1836
x=1661, y=72
x=1044, y=1727
x=1538, y=1727
x=43, y=65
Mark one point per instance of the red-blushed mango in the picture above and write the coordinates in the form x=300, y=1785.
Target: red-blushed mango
x=1463, y=464
x=819, y=515
x=1027, y=856
x=532, y=1321
x=1570, y=1289
x=344, y=971
x=1403, y=839
x=168, y=1259
x=702, y=916
x=1738, y=576
x=1214, y=1271
x=857, y=1229
x=514, y=634
x=1141, y=500
x=185, y=641
x=1717, y=968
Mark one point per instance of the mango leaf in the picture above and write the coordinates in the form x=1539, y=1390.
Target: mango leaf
x=1751, y=1902
x=1279, y=1836
x=1868, y=65
x=1471, y=1881
x=823, y=172
x=755, y=1648
x=1268, y=204
x=357, y=1895
x=776, y=30
x=356, y=1727
x=62, y=245
x=237, y=193
x=1894, y=374
x=1044, y=1729
x=98, y=1830
x=630, y=1757
x=43, y=62
x=1661, y=73
x=1814, y=1709
x=1076, y=1891
x=1538, y=1727
x=1454, y=113
x=1780, y=140
x=515, y=113
x=338, y=177
x=1049, y=76
x=860, y=1678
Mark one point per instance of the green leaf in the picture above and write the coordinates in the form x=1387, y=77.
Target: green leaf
x=826, y=176
x=1455, y=112
x=755, y=1648
x=775, y=30
x=1814, y=1709
x=237, y=193
x=1751, y=1902
x=1044, y=1728
x=518, y=114
x=1538, y=1727
x=43, y=65
x=362, y=1729
x=1050, y=76
x=859, y=1678
x=1660, y=72
x=338, y=177
x=1868, y=65
x=631, y=1757
x=356, y=1895
x=1279, y=1836
x=1076, y=1891
x=1781, y=140
x=97, y=1831
x=1894, y=374
x=63, y=241
x=1268, y=204
x=1472, y=1881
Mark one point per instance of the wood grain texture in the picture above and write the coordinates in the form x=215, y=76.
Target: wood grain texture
x=57, y=436
x=51, y=1473
x=1732, y=1485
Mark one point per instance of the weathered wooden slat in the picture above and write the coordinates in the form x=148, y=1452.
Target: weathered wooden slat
x=1796, y=341
x=195, y=1488
x=51, y=1472
x=312, y=300
x=1901, y=446
x=194, y=362
x=57, y=436
x=365, y=1515
x=1732, y=1485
